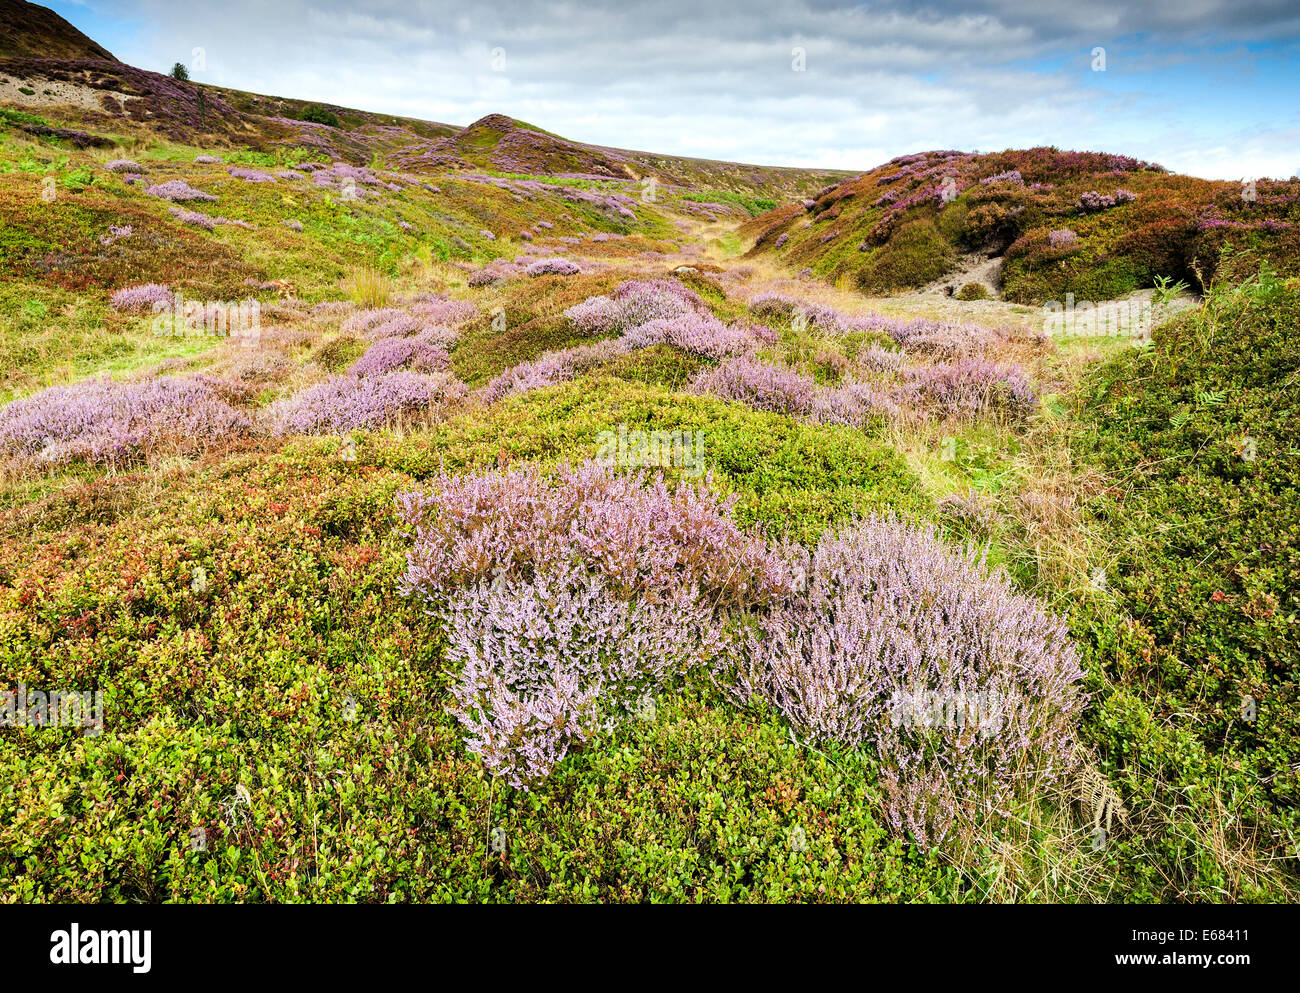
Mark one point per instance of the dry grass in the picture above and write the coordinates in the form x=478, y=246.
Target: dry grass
x=368, y=287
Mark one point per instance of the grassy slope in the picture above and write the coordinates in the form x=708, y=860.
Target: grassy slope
x=848, y=235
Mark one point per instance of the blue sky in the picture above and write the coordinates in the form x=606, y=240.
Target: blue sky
x=1206, y=87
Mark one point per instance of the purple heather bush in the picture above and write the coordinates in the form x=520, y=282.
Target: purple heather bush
x=178, y=191
x=1011, y=176
x=124, y=165
x=201, y=220
x=423, y=352
x=250, y=175
x=207, y=160
x=550, y=368
x=1062, y=238
x=782, y=238
x=1092, y=201
x=783, y=390
x=345, y=403
x=556, y=266
x=773, y=387
x=965, y=690
x=136, y=298
x=564, y=603
x=116, y=232
x=107, y=422
x=291, y=174
x=292, y=225
x=968, y=388
x=701, y=334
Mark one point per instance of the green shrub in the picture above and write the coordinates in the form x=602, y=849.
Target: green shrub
x=319, y=115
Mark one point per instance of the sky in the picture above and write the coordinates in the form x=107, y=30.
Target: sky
x=1204, y=87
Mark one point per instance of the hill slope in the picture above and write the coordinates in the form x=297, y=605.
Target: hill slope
x=38, y=32
x=1091, y=224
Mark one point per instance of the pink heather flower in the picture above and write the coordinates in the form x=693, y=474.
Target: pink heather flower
x=207, y=159
x=701, y=334
x=969, y=387
x=423, y=352
x=553, y=266
x=250, y=175
x=107, y=422
x=124, y=165
x=116, y=232
x=1062, y=238
x=292, y=225
x=563, y=603
x=345, y=403
x=958, y=685
x=1092, y=201
x=550, y=368
x=135, y=298
x=178, y=191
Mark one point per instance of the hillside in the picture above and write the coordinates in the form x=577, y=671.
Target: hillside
x=1052, y=222
x=31, y=31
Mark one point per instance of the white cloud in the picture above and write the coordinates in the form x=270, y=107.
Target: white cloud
x=715, y=80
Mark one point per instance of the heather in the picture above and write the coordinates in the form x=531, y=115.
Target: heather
x=105, y=422
x=346, y=403
x=553, y=267
x=566, y=603
x=965, y=690
x=178, y=191
x=144, y=297
x=422, y=352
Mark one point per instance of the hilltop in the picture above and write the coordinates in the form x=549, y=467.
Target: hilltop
x=28, y=30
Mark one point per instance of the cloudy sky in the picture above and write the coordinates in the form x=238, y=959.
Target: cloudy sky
x=1207, y=87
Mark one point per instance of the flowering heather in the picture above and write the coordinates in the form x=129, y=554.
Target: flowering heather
x=596, y=315
x=891, y=630
x=554, y=266
x=250, y=175
x=544, y=225
x=1062, y=238
x=564, y=603
x=135, y=298
x=344, y=403
x=781, y=239
x=777, y=388
x=1092, y=201
x=701, y=334
x=292, y=225
x=550, y=368
x=436, y=310
x=365, y=320
x=124, y=165
x=207, y=160
x=108, y=422
x=969, y=387
x=484, y=277
x=1011, y=176
x=488, y=235
x=201, y=220
x=634, y=303
x=178, y=191
x=291, y=174
x=116, y=232
x=423, y=352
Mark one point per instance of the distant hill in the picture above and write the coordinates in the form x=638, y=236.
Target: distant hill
x=49, y=67
x=1093, y=224
x=27, y=30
